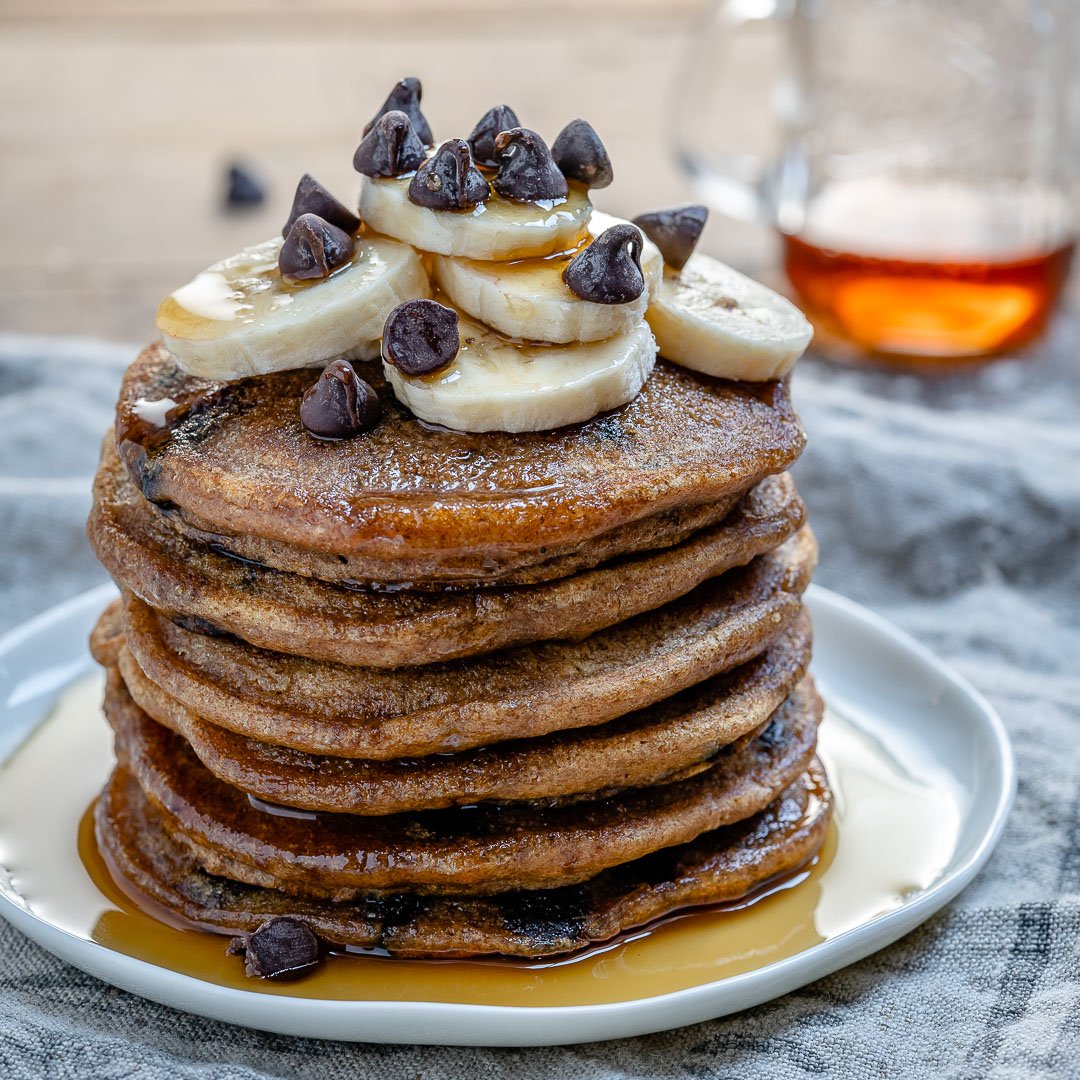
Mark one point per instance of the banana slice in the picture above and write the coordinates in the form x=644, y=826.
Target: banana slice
x=496, y=384
x=713, y=319
x=239, y=318
x=497, y=229
x=529, y=299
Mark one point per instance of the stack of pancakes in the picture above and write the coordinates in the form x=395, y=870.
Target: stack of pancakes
x=449, y=694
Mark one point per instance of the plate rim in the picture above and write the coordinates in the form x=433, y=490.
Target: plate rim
x=430, y=1022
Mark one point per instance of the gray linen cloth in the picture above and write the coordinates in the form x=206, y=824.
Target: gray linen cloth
x=950, y=506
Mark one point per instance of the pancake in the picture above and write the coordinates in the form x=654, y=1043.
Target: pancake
x=107, y=637
x=479, y=851
x=345, y=711
x=652, y=533
x=723, y=865
x=671, y=739
x=406, y=503
x=306, y=617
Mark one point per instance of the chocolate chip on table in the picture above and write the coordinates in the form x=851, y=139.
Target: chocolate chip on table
x=312, y=198
x=313, y=248
x=340, y=404
x=282, y=948
x=243, y=189
x=420, y=336
x=581, y=156
x=449, y=180
x=527, y=172
x=675, y=232
x=390, y=148
x=405, y=97
x=482, y=139
x=608, y=271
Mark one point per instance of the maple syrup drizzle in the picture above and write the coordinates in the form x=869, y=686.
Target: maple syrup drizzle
x=895, y=827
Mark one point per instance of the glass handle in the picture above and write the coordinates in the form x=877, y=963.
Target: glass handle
x=735, y=98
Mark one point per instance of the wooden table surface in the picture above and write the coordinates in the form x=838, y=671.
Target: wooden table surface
x=118, y=118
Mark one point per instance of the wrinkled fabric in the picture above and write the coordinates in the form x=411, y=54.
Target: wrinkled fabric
x=951, y=506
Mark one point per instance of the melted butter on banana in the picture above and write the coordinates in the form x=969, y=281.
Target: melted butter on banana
x=240, y=318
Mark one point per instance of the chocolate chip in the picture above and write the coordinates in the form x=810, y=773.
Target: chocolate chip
x=420, y=336
x=340, y=405
x=390, y=148
x=608, y=271
x=243, y=189
x=527, y=172
x=282, y=948
x=581, y=155
x=313, y=248
x=482, y=139
x=675, y=232
x=449, y=180
x=405, y=97
x=312, y=198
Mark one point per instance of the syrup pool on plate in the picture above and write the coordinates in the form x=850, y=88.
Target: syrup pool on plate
x=895, y=845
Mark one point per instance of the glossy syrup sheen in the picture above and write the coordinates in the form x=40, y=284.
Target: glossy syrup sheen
x=894, y=830
x=246, y=287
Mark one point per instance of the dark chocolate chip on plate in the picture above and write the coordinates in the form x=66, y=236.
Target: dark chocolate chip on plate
x=312, y=198
x=281, y=948
x=608, y=271
x=482, y=139
x=339, y=405
x=390, y=148
x=449, y=180
x=675, y=232
x=527, y=172
x=581, y=156
x=420, y=336
x=313, y=248
x=405, y=97
x=243, y=190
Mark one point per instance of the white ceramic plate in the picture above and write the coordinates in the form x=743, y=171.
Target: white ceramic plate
x=881, y=680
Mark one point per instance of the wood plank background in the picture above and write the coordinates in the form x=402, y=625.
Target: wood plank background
x=117, y=120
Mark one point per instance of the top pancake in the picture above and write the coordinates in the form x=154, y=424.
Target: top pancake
x=409, y=503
